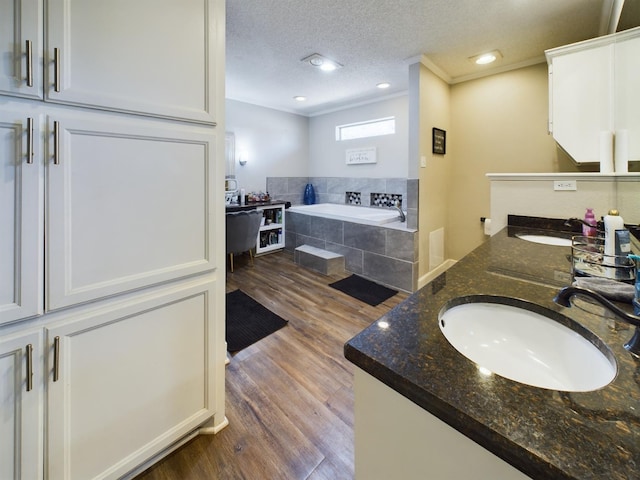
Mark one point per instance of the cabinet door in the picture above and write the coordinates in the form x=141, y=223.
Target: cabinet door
x=21, y=48
x=581, y=102
x=21, y=406
x=129, y=204
x=131, y=380
x=627, y=79
x=154, y=57
x=21, y=207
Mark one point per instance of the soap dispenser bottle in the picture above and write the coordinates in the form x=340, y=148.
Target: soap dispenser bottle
x=590, y=218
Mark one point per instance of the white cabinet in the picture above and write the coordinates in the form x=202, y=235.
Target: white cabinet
x=593, y=89
x=393, y=434
x=21, y=48
x=627, y=93
x=109, y=249
x=129, y=56
x=21, y=450
x=115, y=55
x=125, y=382
x=21, y=207
x=272, y=232
x=129, y=204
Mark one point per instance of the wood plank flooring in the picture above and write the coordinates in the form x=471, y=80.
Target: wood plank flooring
x=289, y=396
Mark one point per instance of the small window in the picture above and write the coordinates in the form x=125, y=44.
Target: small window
x=370, y=128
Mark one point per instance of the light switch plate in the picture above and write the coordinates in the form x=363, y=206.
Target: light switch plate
x=565, y=185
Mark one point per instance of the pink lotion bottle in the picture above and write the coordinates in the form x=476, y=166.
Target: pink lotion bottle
x=590, y=218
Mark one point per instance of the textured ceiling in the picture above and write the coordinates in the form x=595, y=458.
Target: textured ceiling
x=374, y=40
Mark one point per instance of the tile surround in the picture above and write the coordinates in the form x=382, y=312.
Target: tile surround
x=384, y=255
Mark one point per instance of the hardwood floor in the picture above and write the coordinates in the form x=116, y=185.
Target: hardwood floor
x=289, y=396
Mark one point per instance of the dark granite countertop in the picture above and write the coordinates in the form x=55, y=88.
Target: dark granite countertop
x=544, y=433
x=234, y=207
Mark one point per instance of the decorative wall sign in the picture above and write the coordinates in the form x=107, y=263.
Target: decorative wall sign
x=439, y=141
x=357, y=156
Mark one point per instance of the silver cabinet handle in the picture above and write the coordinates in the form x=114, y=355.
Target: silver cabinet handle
x=56, y=69
x=56, y=143
x=29, y=63
x=29, y=352
x=29, y=140
x=56, y=359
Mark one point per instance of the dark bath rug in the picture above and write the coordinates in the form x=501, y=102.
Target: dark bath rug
x=247, y=321
x=364, y=290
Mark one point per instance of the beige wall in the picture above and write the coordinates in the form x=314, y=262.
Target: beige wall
x=498, y=124
x=432, y=110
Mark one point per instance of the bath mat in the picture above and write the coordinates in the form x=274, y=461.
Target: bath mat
x=247, y=321
x=364, y=290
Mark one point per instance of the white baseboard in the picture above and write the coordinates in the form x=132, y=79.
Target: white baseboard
x=204, y=430
x=431, y=275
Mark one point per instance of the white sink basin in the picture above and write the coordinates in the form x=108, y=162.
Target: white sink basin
x=525, y=346
x=546, y=240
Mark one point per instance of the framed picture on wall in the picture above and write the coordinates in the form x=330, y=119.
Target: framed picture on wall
x=439, y=141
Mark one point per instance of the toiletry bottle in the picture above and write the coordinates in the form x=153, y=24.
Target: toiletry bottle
x=612, y=222
x=590, y=218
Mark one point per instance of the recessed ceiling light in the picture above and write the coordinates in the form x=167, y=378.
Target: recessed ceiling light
x=323, y=63
x=383, y=85
x=486, y=58
x=299, y=98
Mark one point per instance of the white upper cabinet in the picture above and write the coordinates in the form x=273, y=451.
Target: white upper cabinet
x=593, y=89
x=627, y=91
x=21, y=207
x=21, y=48
x=149, y=57
x=129, y=204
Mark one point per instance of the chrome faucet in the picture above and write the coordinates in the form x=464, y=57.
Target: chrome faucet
x=564, y=298
x=571, y=222
x=403, y=218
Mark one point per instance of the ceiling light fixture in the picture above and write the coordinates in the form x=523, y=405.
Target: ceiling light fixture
x=383, y=85
x=486, y=58
x=323, y=63
x=299, y=98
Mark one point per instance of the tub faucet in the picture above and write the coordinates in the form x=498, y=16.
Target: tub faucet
x=564, y=296
x=403, y=218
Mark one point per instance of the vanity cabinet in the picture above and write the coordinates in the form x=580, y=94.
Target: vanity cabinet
x=113, y=55
x=593, y=89
x=393, y=434
x=271, y=234
x=21, y=404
